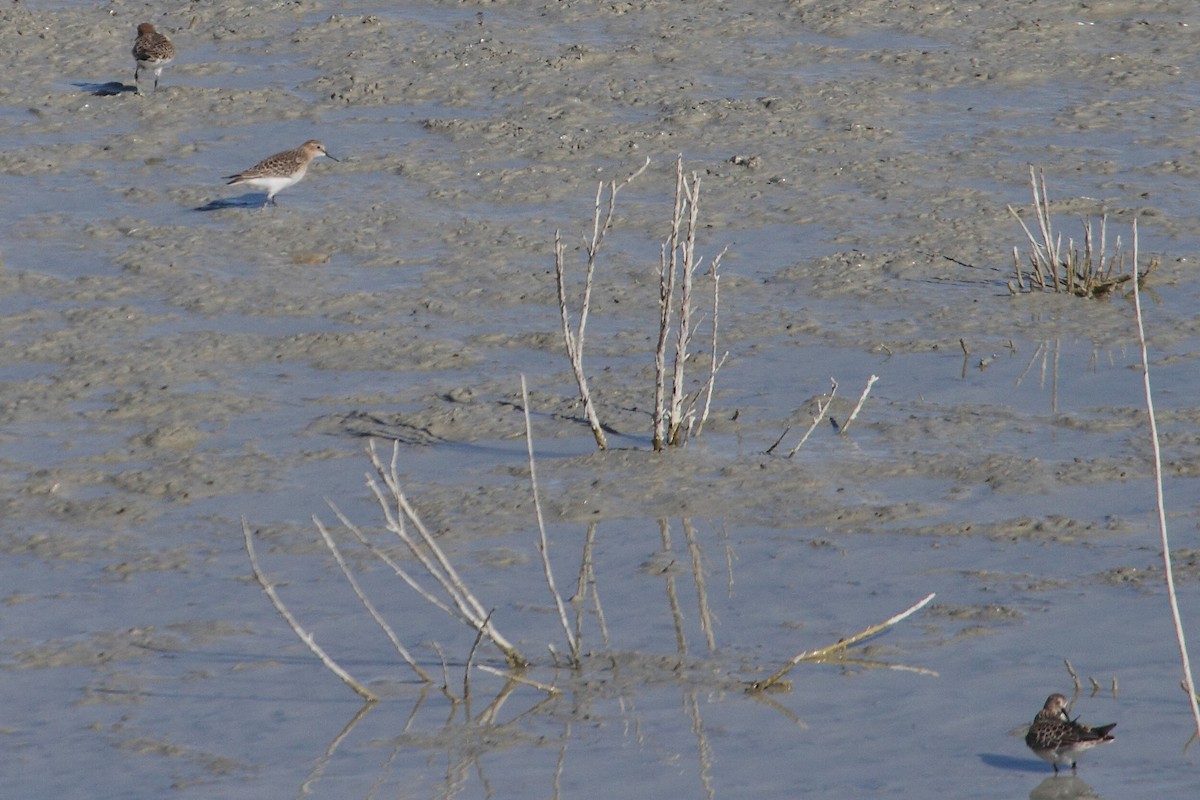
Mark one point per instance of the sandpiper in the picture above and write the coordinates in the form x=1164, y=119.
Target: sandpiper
x=278, y=172
x=1057, y=739
x=151, y=50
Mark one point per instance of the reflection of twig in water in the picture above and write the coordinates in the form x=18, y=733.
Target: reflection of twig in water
x=824, y=652
x=730, y=555
x=871, y=663
x=664, y=529
x=318, y=769
x=703, y=746
x=585, y=585
x=560, y=763
x=706, y=621
x=1043, y=349
x=765, y=697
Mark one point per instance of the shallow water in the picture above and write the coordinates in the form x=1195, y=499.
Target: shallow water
x=167, y=372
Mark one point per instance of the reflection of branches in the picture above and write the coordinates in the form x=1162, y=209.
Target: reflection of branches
x=318, y=769
x=697, y=556
x=703, y=746
x=593, y=675
x=585, y=585
x=664, y=529
x=1043, y=349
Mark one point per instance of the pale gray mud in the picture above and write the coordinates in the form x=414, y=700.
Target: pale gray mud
x=176, y=360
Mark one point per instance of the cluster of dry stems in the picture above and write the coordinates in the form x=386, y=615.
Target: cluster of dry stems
x=681, y=414
x=1094, y=272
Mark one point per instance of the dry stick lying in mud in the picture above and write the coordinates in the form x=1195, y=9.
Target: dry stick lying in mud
x=304, y=635
x=573, y=340
x=1189, y=685
x=543, y=544
x=823, y=652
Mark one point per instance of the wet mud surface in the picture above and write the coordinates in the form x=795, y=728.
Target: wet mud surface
x=175, y=359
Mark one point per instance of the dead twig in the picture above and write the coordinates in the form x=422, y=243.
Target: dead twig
x=573, y=338
x=424, y=547
x=1165, y=544
x=309, y=641
x=822, y=410
x=1090, y=273
x=862, y=399
x=841, y=644
x=543, y=544
x=367, y=604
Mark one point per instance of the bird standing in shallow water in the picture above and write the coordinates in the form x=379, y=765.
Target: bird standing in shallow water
x=278, y=172
x=1057, y=739
x=151, y=50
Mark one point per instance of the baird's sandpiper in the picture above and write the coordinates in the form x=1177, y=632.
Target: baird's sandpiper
x=278, y=172
x=151, y=50
x=1057, y=739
